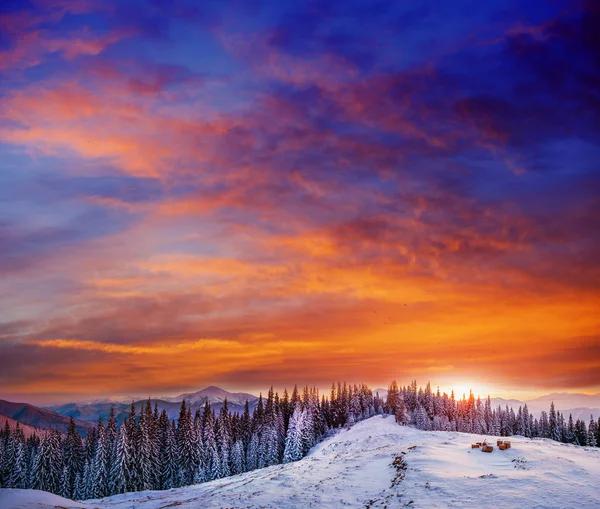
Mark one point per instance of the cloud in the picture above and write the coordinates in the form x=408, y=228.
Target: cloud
x=326, y=208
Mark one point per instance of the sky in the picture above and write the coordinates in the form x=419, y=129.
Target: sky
x=248, y=194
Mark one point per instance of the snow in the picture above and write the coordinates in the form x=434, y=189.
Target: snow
x=354, y=469
x=34, y=499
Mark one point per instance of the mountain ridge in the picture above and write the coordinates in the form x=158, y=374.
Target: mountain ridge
x=215, y=396
x=37, y=417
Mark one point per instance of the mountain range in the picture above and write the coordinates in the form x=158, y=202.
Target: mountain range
x=214, y=396
x=12, y=423
x=40, y=418
x=580, y=406
x=86, y=414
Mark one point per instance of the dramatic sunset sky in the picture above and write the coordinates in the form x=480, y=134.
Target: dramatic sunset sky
x=246, y=193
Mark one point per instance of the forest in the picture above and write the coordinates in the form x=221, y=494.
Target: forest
x=151, y=452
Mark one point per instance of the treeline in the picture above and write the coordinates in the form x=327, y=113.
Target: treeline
x=440, y=412
x=151, y=452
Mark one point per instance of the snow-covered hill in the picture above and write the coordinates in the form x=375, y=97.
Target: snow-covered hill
x=354, y=469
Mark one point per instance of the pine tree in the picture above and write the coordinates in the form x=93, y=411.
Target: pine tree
x=209, y=442
x=252, y=455
x=88, y=481
x=73, y=456
x=145, y=449
x=120, y=476
x=65, y=485
x=100, y=465
x=245, y=426
x=185, y=446
x=9, y=456
x=293, y=442
x=78, y=493
x=238, y=462
x=18, y=477
x=134, y=478
x=169, y=468
x=581, y=434
x=570, y=430
x=224, y=440
x=591, y=439
x=112, y=439
x=215, y=464
x=48, y=464
x=33, y=447
x=554, y=430
x=544, y=426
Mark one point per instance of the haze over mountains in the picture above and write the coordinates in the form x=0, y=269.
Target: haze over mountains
x=37, y=417
x=580, y=406
x=87, y=413
x=12, y=423
x=214, y=396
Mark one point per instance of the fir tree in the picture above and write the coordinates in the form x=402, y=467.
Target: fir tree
x=169, y=457
x=134, y=478
x=9, y=452
x=553, y=427
x=146, y=450
x=65, y=485
x=224, y=440
x=100, y=465
x=294, y=439
x=238, y=462
x=88, y=482
x=120, y=476
x=78, y=492
x=215, y=464
x=73, y=456
x=48, y=464
x=252, y=455
x=591, y=438
x=18, y=477
x=185, y=446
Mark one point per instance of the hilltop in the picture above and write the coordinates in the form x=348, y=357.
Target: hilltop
x=354, y=469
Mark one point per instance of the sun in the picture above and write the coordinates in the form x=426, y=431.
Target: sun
x=464, y=387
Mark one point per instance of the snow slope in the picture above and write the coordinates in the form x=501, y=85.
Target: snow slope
x=353, y=469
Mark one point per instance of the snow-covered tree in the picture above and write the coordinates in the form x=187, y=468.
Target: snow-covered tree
x=252, y=455
x=19, y=478
x=238, y=461
x=99, y=466
x=169, y=460
x=120, y=475
x=73, y=454
x=592, y=432
x=185, y=446
x=294, y=439
x=48, y=464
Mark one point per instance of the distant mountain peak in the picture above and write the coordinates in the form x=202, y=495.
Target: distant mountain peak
x=213, y=394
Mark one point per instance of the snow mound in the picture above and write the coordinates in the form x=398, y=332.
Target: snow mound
x=379, y=464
